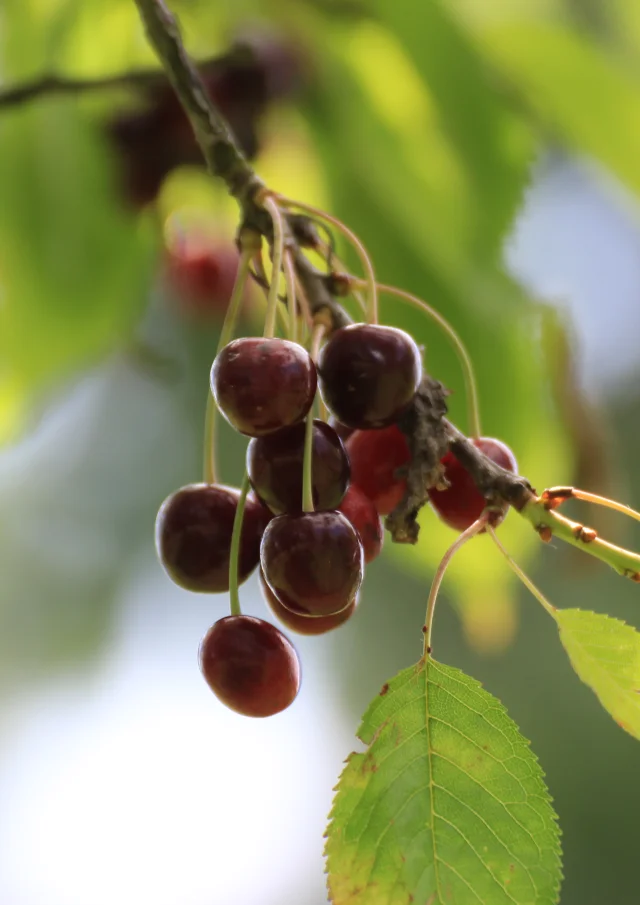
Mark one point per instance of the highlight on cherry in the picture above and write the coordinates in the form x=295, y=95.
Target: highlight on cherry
x=331, y=407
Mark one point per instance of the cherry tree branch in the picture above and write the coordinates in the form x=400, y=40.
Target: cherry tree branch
x=428, y=431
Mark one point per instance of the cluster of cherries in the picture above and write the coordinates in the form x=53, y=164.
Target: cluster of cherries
x=312, y=518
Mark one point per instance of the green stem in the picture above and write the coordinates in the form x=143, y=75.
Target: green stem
x=271, y=206
x=547, y=522
x=233, y=309
x=604, y=501
x=307, y=465
x=208, y=453
x=526, y=581
x=307, y=461
x=372, y=287
x=234, y=554
x=471, y=531
x=211, y=413
x=290, y=280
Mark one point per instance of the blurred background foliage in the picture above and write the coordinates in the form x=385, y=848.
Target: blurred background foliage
x=434, y=130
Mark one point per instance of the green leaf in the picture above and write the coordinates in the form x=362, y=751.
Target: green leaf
x=75, y=264
x=554, y=71
x=447, y=805
x=605, y=653
x=491, y=142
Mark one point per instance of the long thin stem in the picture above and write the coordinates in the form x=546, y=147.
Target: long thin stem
x=211, y=413
x=307, y=461
x=234, y=555
x=233, y=309
x=290, y=281
x=208, y=453
x=526, y=581
x=470, y=532
x=271, y=205
x=372, y=288
x=471, y=386
x=561, y=494
x=549, y=523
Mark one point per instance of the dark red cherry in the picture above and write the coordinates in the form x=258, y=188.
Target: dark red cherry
x=201, y=273
x=364, y=517
x=274, y=466
x=250, y=665
x=304, y=625
x=193, y=536
x=262, y=385
x=313, y=562
x=377, y=459
x=462, y=503
x=369, y=374
x=341, y=429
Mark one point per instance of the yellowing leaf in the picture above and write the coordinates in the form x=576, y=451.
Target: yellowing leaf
x=447, y=805
x=605, y=653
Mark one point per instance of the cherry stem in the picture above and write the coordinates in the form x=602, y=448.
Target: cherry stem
x=271, y=205
x=587, y=497
x=526, y=581
x=290, y=280
x=211, y=411
x=208, y=453
x=261, y=273
x=372, y=288
x=473, y=404
x=470, y=532
x=234, y=554
x=549, y=523
x=307, y=460
x=233, y=309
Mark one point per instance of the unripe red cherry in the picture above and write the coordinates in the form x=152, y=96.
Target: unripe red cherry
x=368, y=374
x=364, y=517
x=193, y=536
x=250, y=665
x=377, y=459
x=275, y=465
x=313, y=562
x=202, y=274
x=462, y=503
x=262, y=385
x=304, y=625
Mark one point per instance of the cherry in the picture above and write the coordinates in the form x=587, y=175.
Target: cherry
x=364, y=517
x=341, y=429
x=368, y=374
x=274, y=466
x=376, y=459
x=312, y=562
x=193, y=536
x=462, y=503
x=202, y=274
x=250, y=665
x=304, y=625
x=262, y=385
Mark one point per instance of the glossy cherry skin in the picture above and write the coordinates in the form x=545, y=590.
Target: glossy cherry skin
x=313, y=562
x=377, y=459
x=262, y=385
x=341, y=429
x=193, y=536
x=274, y=466
x=304, y=625
x=250, y=665
x=364, y=517
x=369, y=374
x=462, y=503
